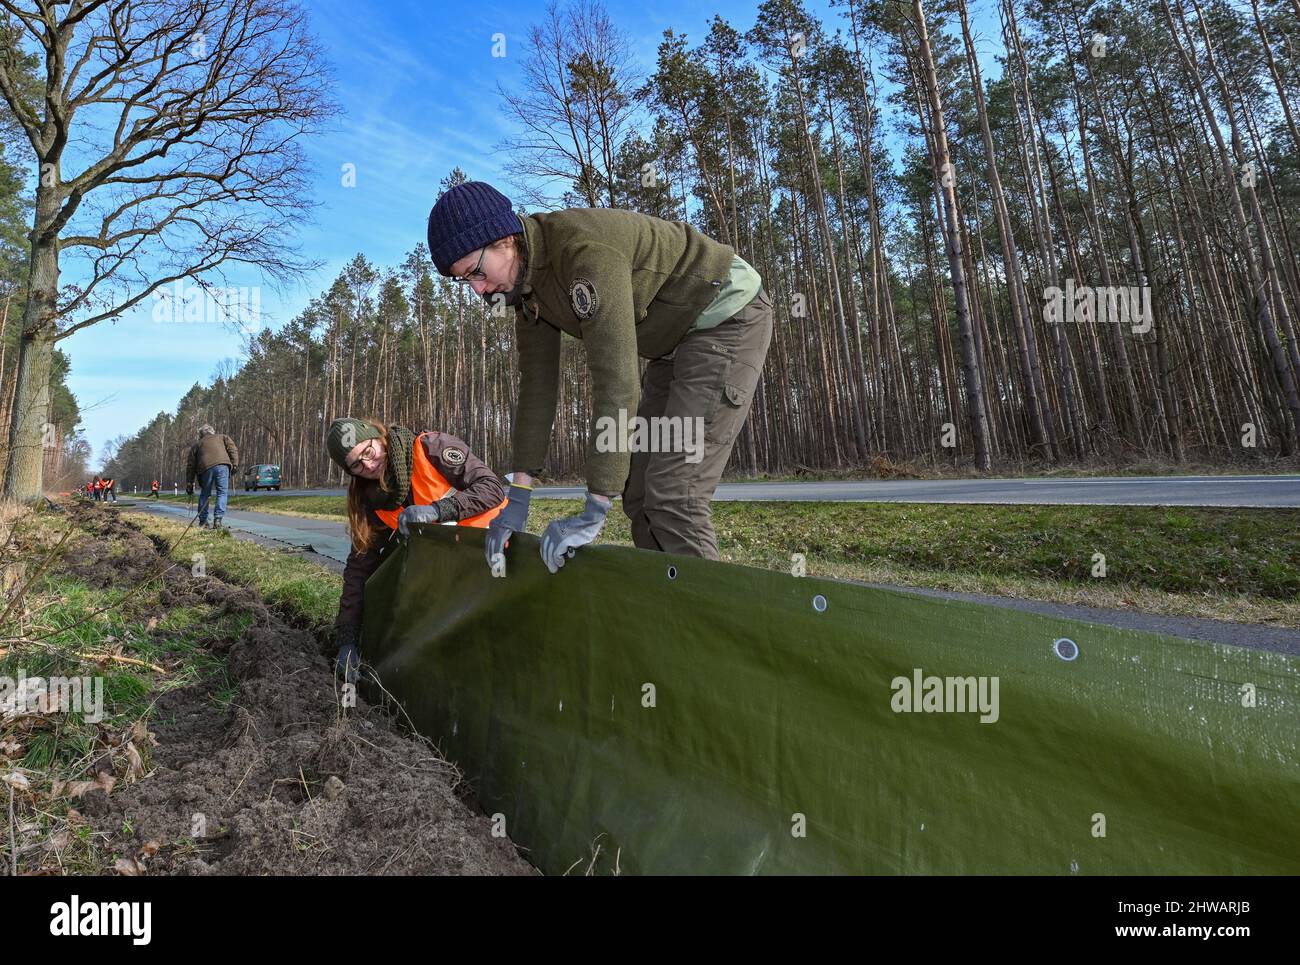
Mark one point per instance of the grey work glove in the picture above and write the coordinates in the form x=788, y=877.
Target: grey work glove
x=573, y=531
x=415, y=514
x=349, y=658
x=509, y=521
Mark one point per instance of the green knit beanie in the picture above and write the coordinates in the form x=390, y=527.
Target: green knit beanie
x=344, y=434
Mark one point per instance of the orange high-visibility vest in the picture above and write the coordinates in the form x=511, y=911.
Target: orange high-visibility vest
x=428, y=486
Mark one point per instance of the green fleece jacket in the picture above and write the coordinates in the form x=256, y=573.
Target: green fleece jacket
x=628, y=285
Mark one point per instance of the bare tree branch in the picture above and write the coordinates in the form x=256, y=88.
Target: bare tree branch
x=187, y=116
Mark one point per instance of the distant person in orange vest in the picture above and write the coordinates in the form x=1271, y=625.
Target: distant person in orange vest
x=153, y=489
x=99, y=489
x=110, y=494
x=399, y=477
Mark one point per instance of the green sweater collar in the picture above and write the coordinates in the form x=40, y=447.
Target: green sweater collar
x=535, y=242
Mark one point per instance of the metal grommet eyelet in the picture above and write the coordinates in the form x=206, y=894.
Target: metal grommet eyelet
x=1066, y=649
x=672, y=572
x=819, y=603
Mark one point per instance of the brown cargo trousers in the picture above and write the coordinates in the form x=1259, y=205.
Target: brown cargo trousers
x=710, y=376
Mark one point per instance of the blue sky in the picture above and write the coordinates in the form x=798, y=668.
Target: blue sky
x=418, y=87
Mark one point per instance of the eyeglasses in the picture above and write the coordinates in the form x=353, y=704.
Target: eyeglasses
x=475, y=274
x=366, y=453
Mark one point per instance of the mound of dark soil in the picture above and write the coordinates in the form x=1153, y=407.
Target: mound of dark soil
x=280, y=779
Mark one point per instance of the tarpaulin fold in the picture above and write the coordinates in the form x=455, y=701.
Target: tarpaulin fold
x=662, y=714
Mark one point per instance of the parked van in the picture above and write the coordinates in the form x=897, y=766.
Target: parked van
x=261, y=477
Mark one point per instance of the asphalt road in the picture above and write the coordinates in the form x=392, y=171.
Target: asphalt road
x=325, y=542
x=1245, y=491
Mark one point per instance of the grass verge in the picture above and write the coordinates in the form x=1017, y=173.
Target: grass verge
x=82, y=667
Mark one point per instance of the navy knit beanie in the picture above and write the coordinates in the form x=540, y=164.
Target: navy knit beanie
x=466, y=218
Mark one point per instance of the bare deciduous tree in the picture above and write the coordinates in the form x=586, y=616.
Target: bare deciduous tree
x=575, y=107
x=182, y=121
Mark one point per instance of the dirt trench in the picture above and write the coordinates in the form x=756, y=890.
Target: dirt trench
x=280, y=780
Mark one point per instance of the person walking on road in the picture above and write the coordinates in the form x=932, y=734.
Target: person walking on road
x=213, y=459
x=153, y=489
x=630, y=286
x=398, y=477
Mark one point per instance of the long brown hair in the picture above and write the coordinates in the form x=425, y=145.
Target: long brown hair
x=359, y=528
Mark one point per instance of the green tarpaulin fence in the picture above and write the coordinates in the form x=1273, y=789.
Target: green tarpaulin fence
x=675, y=715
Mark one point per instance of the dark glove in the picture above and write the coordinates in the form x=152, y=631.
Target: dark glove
x=415, y=514
x=189, y=489
x=349, y=658
x=573, y=531
x=509, y=521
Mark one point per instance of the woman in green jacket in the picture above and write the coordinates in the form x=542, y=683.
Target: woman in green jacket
x=631, y=287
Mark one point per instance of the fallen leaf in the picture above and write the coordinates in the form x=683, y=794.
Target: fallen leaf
x=153, y=622
x=134, y=763
x=102, y=780
x=129, y=867
x=141, y=735
x=17, y=780
x=149, y=849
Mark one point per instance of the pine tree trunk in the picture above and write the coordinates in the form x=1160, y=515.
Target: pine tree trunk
x=952, y=242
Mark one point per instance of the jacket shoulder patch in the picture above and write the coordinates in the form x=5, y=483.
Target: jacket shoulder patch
x=453, y=456
x=582, y=294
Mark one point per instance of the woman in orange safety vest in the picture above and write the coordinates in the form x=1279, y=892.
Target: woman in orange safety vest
x=397, y=477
